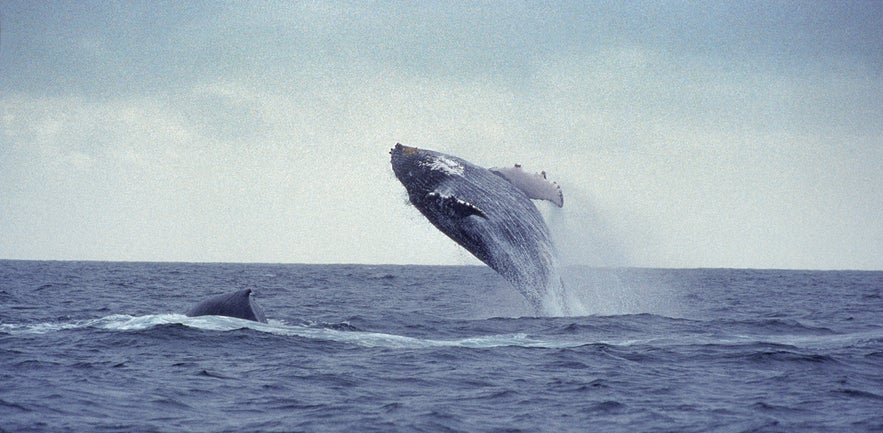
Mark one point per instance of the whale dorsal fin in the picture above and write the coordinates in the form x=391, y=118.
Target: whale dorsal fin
x=535, y=185
x=453, y=206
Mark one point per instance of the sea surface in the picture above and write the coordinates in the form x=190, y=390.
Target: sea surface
x=103, y=347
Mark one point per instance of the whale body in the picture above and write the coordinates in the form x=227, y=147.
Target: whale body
x=487, y=214
x=239, y=304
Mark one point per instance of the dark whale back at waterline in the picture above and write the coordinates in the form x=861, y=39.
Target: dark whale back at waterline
x=486, y=214
x=239, y=304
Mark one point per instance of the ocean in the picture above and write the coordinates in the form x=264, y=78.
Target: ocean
x=104, y=347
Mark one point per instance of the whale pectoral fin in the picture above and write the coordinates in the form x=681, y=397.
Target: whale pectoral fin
x=453, y=206
x=534, y=185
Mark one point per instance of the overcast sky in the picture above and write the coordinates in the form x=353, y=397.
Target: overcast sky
x=684, y=134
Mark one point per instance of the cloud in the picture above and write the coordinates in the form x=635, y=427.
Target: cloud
x=224, y=171
x=697, y=165
x=247, y=134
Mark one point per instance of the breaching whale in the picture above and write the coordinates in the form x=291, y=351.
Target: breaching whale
x=239, y=304
x=490, y=213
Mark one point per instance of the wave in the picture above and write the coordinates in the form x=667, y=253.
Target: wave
x=126, y=323
x=561, y=338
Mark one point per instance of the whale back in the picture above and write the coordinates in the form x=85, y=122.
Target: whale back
x=239, y=304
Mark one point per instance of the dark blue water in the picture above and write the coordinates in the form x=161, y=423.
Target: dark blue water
x=103, y=347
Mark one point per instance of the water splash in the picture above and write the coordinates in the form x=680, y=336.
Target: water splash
x=126, y=323
x=590, y=254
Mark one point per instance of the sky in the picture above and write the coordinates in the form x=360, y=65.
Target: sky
x=683, y=134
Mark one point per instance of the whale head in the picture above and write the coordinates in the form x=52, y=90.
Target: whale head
x=421, y=170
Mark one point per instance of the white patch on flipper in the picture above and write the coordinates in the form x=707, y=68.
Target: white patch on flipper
x=534, y=185
x=445, y=165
